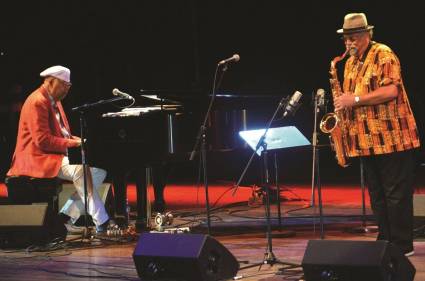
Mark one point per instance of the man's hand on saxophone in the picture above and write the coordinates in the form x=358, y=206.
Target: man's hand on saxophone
x=346, y=100
x=378, y=96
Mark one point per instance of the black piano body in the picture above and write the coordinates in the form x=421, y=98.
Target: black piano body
x=122, y=143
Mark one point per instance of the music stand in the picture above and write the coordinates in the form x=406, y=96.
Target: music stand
x=261, y=141
x=276, y=138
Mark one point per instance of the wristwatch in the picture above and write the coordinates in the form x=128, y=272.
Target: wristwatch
x=356, y=99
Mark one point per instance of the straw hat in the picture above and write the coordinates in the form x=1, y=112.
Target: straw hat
x=354, y=23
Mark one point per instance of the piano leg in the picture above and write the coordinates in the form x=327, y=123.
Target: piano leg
x=142, y=199
x=120, y=194
x=160, y=172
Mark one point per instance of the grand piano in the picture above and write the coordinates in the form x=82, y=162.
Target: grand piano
x=160, y=132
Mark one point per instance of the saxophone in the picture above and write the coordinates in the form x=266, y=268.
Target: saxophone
x=335, y=123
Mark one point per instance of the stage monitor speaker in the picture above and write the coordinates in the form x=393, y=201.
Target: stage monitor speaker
x=355, y=260
x=25, y=225
x=188, y=257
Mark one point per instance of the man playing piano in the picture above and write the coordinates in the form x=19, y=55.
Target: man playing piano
x=42, y=142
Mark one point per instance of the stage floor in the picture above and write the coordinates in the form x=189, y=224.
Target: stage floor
x=97, y=260
x=236, y=221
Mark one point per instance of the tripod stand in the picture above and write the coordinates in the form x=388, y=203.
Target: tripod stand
x=269, y=256
x=262, y=148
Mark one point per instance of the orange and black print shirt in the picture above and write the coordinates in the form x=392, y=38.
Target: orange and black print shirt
x=382, y=128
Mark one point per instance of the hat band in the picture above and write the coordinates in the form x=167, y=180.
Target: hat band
x=356, y=29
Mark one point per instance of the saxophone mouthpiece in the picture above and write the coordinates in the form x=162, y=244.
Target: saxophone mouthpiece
x=353, y=51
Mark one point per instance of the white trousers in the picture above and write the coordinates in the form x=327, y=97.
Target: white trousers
x=74, y=206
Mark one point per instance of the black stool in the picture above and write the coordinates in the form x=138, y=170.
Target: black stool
x=28, y=190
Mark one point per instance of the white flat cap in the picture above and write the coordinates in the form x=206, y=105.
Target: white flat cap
x=57, y=71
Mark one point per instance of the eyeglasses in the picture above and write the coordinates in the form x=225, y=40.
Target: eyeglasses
x=352, y=37
x=68, y=84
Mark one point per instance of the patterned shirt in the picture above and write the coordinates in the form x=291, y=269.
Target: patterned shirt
x=382, y=128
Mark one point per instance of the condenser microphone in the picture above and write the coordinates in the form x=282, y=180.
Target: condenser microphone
x=234, y=58
x=118, y=93
x=293, y=103
x=320, y=98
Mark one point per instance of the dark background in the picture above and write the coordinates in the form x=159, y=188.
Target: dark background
x=174, y=45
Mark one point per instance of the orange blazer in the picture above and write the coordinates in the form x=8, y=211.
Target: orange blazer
x=40, y=145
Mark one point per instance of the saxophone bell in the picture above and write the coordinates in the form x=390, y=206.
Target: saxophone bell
x=329, y=122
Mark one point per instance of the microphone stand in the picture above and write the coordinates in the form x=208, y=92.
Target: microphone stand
x=276, y=175
x=201, y=139
x=82, y=110
x=269, y=256
x=315, y=173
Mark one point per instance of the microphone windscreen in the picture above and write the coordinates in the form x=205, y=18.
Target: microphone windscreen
x=297, y=96
x=320, y=92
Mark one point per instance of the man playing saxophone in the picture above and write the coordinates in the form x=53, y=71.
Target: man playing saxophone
x=382, y=129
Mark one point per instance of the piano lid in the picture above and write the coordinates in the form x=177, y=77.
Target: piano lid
x=187, y=94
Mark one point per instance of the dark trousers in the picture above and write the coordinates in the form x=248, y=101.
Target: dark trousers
x=390, y=182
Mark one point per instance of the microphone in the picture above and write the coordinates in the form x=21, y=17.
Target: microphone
x=293, y=103
x=320, y=98
x=234, y=58
x=118, y=93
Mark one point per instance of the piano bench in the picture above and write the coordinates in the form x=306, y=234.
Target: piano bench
x=28, y=190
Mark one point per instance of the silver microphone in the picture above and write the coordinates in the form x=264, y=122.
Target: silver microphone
x=292, y=105
x=320, y=96
x=234, y=58
x=118, y=93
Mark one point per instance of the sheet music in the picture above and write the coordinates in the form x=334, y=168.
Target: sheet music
x=138, y=111
x=276, y=138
